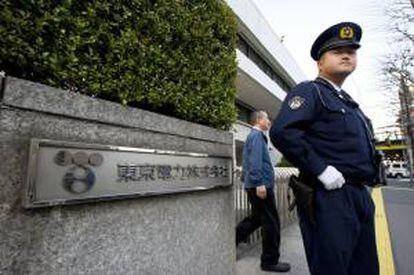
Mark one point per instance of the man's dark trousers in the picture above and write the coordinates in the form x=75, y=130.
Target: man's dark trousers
x=264, y=214
x=342, y=241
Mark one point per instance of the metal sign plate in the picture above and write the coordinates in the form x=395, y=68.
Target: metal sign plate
x=68, y=172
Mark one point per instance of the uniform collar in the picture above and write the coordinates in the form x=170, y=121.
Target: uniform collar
x=339, y=92
x=333, y=85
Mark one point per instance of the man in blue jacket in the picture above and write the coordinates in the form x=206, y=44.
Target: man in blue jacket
x=322, y=131
x=259, y=181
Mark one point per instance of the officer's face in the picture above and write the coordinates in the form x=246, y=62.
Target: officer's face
x=338, y=62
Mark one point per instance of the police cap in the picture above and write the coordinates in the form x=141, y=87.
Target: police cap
x=339, y=35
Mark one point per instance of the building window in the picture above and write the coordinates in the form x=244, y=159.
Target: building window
x=239, y=153
x=244, y=46
x=244, y=113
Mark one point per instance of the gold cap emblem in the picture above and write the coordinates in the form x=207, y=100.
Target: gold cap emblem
x=346, y=33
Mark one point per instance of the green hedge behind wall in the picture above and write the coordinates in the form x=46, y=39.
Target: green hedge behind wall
x=175, y=57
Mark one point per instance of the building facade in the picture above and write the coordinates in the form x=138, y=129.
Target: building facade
x=266, y=71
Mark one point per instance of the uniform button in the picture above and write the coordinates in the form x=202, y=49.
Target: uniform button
x=343, y=111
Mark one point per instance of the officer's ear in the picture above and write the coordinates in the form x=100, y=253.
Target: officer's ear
x=319, y=63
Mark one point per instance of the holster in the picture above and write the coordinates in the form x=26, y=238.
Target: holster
x=304, y=197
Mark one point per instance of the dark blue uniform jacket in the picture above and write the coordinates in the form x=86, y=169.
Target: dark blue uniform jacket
x=317, y=127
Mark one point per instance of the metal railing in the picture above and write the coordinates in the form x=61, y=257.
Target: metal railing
x=283, y=195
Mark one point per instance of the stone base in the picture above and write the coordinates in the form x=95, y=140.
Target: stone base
x=187, y=233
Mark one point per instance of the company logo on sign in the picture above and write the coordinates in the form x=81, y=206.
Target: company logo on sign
x=79, y=178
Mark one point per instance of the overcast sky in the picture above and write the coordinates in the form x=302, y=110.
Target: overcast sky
x=301, y=21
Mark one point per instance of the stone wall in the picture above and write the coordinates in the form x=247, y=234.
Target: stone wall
x=186, y=233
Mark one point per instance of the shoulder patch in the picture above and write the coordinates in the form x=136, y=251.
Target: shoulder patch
x=296, y=102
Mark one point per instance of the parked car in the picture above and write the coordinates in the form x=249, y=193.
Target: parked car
x=398, y=169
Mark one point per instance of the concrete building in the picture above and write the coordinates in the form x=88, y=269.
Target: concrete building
x=266, y=70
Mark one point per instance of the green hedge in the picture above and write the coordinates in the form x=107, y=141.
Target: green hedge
x=176, y=57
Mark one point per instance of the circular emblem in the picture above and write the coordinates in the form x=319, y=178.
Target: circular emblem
x=63, y=158
x=346, y=33
x=80, y=158
x=296, y=102
x=78, y=180
x=95, y=159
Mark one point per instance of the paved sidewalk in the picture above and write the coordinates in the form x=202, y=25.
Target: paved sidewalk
x=292, y=251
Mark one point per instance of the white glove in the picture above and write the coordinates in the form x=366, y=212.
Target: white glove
x=331, y=178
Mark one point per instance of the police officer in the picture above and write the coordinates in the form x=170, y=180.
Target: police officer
x=323, y=132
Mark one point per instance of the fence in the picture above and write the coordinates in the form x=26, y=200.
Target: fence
x=283, y=196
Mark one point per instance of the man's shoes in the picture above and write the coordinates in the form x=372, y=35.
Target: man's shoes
x=279, y=267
